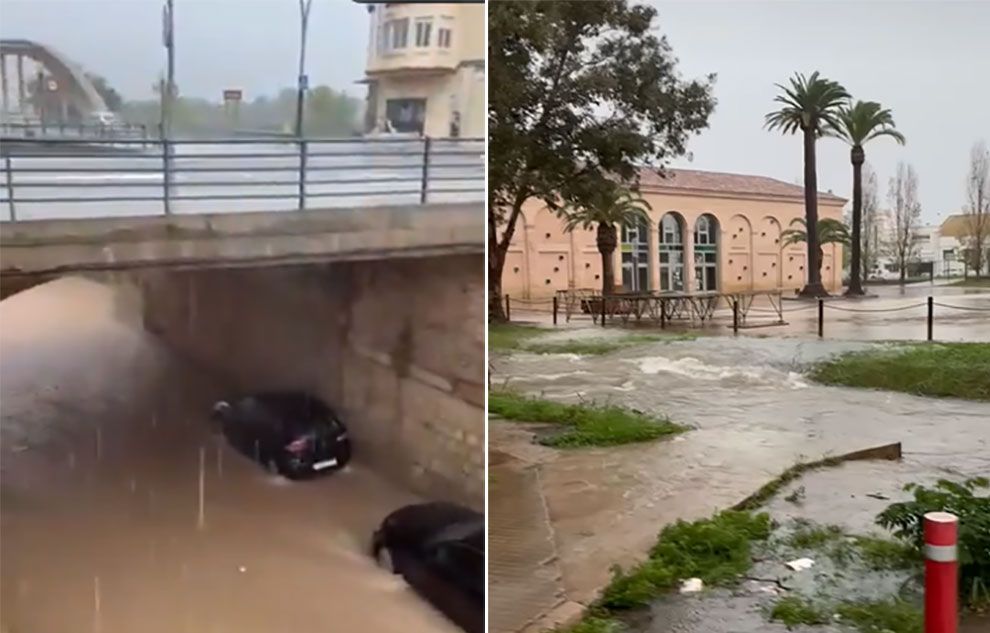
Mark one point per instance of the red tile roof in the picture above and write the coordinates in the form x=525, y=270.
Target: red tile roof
x=719, y=182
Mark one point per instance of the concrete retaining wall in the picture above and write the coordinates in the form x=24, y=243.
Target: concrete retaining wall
x=397, y=347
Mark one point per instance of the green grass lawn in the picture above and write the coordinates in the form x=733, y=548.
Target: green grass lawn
x=944, y=370
x=973, y=282
x=510, y=337
x=582, y=424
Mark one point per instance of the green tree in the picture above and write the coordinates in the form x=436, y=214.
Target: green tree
x=829, y=232
x=587, y=93
x=330, y=113
x=606, y=208
x=858, y=124
x=810, y=106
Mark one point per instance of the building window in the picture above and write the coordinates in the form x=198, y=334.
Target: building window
x=635, y=258
x=671, y=249
x=443, y=37
x=396, y=34
x=706, y=254
x=424, y=28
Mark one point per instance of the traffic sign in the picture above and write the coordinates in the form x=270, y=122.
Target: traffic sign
x=233, y=94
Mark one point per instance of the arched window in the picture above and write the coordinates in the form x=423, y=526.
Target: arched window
x=671, y=249
x=635, y=258
x=706, y=254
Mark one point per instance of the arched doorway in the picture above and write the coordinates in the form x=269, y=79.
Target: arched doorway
x=671, y=247
x=706, y=253
x=636, y=258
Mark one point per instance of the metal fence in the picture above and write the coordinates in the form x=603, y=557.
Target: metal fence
x=69, y=130
x=58, y=178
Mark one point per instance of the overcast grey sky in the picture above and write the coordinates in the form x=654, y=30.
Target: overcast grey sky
x=929, y=61
x=247, y=44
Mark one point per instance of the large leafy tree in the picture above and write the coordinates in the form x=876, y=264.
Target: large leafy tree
x=858, y=124
x=583, y=93
x=607, y=208
x=809, y=105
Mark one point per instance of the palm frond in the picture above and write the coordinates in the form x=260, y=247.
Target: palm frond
x=808, y=103
x=863, y=121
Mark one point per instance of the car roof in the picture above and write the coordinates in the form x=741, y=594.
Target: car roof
x=467, y=532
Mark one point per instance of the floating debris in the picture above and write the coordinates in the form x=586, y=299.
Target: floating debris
x=692, y=585
x=799, y=564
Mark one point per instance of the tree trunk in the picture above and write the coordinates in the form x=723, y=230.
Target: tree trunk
x=814, y=286
x=496, y=262
x=855, y=278
x=607, y=240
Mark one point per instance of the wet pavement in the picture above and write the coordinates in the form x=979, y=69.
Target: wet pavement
x=753, y=413
x=105, y=436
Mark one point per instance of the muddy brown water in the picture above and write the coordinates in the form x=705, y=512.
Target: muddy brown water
x=102, y=436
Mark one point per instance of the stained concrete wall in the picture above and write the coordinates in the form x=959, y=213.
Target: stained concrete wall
x=397, y=347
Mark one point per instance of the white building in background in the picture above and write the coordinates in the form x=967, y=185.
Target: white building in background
x=426, y=69
x=937, y=244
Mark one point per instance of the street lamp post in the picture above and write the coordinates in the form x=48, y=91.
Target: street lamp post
x=304, y=6
x=168, y=94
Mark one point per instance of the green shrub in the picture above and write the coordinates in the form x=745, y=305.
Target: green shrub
x=973, y=510
x=890, y=616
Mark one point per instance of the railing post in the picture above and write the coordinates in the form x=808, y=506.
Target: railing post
x=555, y=309
x=941, y=572
x=663, y=313
x=603, y=309
x=931, y=316
x=167, y=175
x=735, y=316
x=10, y=187
x=425, y=184
x=821, y=318
x=302, y=175
x=508, y=309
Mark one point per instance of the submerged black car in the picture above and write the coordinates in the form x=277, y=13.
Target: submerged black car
x=439, y=548
x=292, y=433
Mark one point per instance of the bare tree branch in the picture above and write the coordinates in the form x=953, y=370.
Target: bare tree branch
x=903, y=199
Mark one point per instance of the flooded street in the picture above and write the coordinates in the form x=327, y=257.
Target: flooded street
x=106, y=446
x=753, y=414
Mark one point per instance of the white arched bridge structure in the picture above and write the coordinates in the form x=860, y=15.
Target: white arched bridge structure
x=53, y=86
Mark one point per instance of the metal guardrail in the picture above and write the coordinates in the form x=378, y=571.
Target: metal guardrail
x=65, y=178
x=63, y=130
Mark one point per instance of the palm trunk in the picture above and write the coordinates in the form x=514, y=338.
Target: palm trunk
x=607, y=239
x=814, y=286
x=855, y=278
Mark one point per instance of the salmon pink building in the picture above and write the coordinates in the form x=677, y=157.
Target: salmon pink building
x=708, y=231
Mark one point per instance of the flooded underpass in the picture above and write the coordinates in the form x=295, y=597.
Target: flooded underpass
x=752, y=414
x=105, y=446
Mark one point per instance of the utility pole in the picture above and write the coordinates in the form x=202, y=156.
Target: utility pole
x=303, y=82
x=168, y=94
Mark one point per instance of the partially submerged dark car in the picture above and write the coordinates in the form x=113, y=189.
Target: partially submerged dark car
x=292, y=433
x=439, y=548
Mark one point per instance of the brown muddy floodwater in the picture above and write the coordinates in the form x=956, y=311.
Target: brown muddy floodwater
x=102, y=435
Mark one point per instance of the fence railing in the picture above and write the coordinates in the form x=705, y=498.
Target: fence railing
x=44, y=178
x=69, y=130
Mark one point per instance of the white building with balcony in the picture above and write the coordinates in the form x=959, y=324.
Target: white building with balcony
x=426, y=69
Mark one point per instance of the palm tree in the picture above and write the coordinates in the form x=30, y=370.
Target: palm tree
x=829, y=232
x=810, y=104
x=858, y=124
x=608, y=207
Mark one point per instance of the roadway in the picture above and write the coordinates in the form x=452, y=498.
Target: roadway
x=240, y=177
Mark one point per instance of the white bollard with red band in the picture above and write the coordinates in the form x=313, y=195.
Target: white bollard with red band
x=941, y=572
